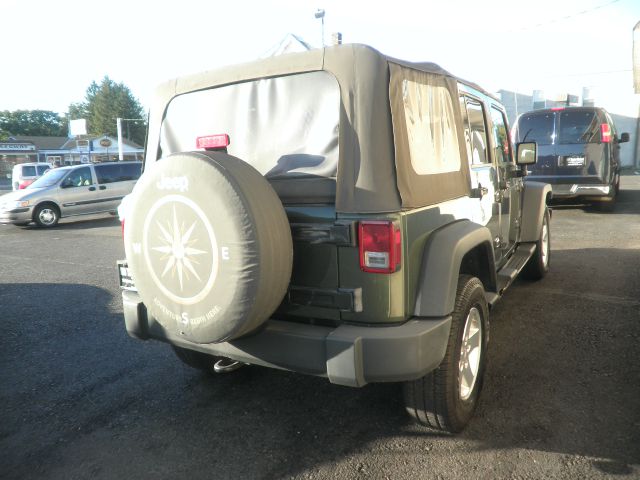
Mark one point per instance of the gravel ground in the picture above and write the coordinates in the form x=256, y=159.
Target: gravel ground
x=80, y=399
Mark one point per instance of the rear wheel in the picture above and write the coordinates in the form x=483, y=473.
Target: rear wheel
x=446, y=398
x=608, y=205
x=538, y=265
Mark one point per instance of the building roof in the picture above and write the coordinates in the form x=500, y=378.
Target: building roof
x=289, y=44
x=43, y=143
x=70, y=143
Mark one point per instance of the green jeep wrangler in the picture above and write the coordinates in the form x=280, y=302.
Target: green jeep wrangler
x=337, y=213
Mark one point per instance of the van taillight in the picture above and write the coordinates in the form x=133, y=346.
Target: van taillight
x=605, y=133
x=122, y=227
x=380, y=244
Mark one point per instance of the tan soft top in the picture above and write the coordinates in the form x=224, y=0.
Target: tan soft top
x=374, y=172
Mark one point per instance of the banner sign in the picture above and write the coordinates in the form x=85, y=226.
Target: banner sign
x=17, y=146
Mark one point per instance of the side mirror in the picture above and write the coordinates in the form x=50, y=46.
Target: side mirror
x=66, y=183
x=526, y=153
x=624, y=137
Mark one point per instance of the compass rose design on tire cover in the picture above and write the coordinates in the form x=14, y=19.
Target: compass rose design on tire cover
x=180, y=249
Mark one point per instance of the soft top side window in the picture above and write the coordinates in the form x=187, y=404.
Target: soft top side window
x=478, y=143
x=502, y=146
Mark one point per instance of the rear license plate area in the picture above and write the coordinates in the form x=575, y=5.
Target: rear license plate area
x=124, y=276
x=571, y=161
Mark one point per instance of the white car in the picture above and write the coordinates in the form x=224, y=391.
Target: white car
x=24, y=174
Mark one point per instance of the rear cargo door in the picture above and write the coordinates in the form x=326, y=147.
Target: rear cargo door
x=581, y=158
x=540, y=127
x=313, y=290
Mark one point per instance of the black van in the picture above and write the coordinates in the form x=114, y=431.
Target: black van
x=578, y=152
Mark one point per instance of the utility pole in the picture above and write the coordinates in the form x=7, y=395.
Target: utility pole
x=120, y=150
x=320, y=14
x=119, y=127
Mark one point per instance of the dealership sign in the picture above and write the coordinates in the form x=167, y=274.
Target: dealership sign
x=17, y=146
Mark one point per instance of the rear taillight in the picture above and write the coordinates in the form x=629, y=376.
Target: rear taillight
x=122, y=227
x=380, y=244
x=605, y=133
x=25, y=184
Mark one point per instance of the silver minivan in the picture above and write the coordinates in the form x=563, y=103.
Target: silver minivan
x=69, y=191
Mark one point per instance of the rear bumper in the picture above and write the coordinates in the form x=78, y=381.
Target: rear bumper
x=566, y=191
x=346, y=355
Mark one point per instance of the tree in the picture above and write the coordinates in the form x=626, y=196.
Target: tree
x=31, y=122
x=105, y=103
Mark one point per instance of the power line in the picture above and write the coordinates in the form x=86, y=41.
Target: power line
x=567, y=17
x=607, y=72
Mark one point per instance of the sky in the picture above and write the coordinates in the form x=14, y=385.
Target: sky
x=53, y=50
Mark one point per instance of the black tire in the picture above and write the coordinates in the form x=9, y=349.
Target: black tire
x=606, y=206
x=198, y=360
x=538, y=265
x=209, y=246
x=439, y=400
x=46, y=215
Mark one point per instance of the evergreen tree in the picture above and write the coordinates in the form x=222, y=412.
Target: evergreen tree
x=103, y=104
x=31, y=122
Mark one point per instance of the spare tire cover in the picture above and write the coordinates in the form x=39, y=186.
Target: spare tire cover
x=209, y=246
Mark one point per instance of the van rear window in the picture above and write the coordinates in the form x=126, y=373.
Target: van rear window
x=578, y=127
x=536, y=127
x=29, y=171
x=562, y=127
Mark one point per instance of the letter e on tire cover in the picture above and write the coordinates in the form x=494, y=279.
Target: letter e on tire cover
x=209, y=246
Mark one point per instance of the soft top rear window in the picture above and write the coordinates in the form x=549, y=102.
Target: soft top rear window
x=285, y=127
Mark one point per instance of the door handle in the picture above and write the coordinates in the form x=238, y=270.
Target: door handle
x=479, y=192
x=103, y=187
x=92, y=189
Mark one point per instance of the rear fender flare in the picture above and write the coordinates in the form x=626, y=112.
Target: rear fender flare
x=534, y=204
x=441, y=264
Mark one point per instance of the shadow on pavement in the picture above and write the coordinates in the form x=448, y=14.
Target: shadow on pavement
x=81, y=399
x=78, y=223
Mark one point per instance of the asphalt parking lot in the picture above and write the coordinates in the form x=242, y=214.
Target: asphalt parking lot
x=80, y=399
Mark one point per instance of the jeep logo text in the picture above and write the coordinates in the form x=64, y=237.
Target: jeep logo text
x=173, y=183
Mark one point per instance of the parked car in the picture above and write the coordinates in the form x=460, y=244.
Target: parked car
x=344, y=214
x=24, y=174
x=69, y=191
x=578, y=152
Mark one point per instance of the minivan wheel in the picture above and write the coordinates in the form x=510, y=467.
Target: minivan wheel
x=46, y=215
x=446, y=398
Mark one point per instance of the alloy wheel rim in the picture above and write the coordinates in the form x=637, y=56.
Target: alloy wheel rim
x=47, y=216
x=470, y=353
x=545, y=244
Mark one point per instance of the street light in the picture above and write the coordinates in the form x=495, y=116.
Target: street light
x=320, y=14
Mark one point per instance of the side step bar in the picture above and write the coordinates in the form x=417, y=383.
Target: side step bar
x=510, y=271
